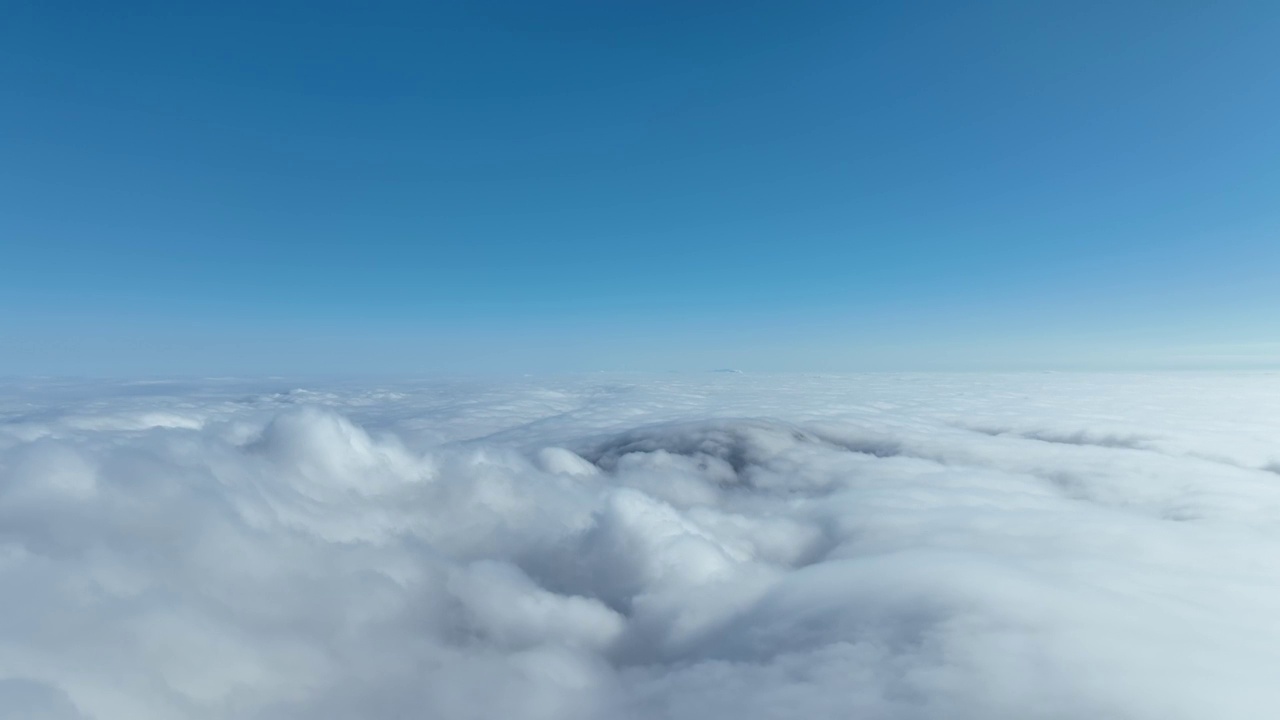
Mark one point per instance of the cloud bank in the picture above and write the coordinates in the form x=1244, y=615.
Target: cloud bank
x=729, y=546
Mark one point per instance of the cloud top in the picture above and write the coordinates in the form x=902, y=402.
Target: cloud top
x=725, y=546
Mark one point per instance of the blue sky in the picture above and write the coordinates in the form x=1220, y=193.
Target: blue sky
x=326, y=187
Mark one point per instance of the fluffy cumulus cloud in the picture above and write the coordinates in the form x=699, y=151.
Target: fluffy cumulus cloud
x=727, y=546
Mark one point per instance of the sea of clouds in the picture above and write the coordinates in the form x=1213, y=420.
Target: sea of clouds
x=684, y=546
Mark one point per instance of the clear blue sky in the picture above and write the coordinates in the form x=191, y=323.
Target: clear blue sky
x=410, y=187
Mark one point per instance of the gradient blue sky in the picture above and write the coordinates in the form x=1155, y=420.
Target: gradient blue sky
x=346, y=187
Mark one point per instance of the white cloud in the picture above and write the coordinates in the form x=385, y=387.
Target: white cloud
x=722, y=546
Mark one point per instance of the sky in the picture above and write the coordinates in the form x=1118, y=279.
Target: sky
x=402, y=187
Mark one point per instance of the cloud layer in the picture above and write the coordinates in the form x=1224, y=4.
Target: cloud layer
x=729, y=546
